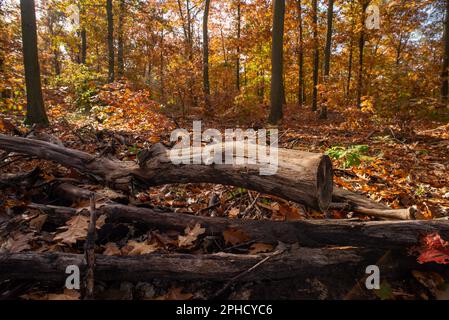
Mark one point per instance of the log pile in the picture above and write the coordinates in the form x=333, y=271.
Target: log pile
x=307, y=247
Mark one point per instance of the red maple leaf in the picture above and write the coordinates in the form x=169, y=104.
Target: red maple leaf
x=433, y=249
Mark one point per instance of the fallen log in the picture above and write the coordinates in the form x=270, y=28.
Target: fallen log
x=310, y=233
x=351, y=201
x=301, y=176
x=298, y=262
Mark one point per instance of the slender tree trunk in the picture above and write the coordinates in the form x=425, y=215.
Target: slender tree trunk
x=83, y=33
x=301, y=87
x=316, y=55
x=239, y=26
x=206, y=83
x=162, y=89
x=120, y=60
x=110, y=16
x=277, y=61
x=35, y=103
x=351, y=51
x=327, y=54
x=361, y=52
x=445, y=72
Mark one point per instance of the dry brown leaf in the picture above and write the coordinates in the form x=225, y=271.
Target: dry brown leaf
x=76, y=230
x=191, y=234
x=234, y=213
x=234, y=236
x=38, y=222
x=101, y=221
x=257, y=248
x=17, y=242
x=67, y=295
x=140, y=248
x=111, y=249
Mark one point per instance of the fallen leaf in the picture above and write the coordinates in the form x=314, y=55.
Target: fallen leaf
x=191, y=235
x=260, y=248
x=101, y=221
x=140, y=248
x=76, y=230
x=67, y=295
x=38, y=222
x=431, y=280
x=234, y=236
x=17, y=242
x=234, y=213
x=111, y=249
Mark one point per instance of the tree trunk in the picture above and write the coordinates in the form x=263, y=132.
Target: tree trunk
x=206, y=82
x=83, y=34
x=277, y=62
x=301, y=176
x=445, y=71
x=35, y=103
x=327, y=54
x=239, y=25
x=110, y=17
x=316, y=55
x=301, y=87
x=120, y=59
x=361, y=49
x=293, y=263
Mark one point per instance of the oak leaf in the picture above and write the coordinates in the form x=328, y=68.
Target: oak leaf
x=191, y=235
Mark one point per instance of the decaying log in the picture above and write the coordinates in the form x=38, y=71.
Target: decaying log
x=21, y=179
x=301, y=176
x=310, y=233
x=347, y=200
x=296, y=262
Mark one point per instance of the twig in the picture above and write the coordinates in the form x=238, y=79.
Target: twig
x=90, y=251
x=244, y=273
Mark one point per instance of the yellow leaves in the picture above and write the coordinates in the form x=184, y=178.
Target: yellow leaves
x=191, y=235
x=234, y=236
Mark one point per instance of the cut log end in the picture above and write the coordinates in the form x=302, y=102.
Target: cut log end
x=324, y=183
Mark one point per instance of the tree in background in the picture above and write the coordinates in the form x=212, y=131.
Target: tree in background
x=327, y=53
x=206, y=82
x=316, y=54
x=110, y=18
x=277, y=90
x=364, y=6
x=301, y=87
x=120, y=58
x=35, y=103
x=445, y=72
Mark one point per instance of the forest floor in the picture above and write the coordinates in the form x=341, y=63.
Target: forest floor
x=405, y=164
